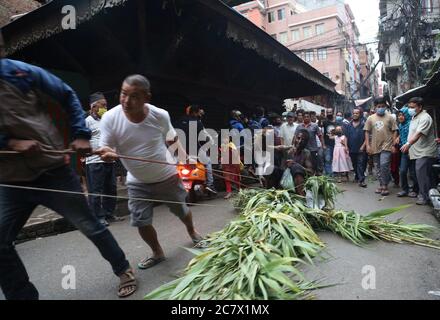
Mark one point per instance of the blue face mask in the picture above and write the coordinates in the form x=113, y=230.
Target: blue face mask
x=339, y=118
x=380, y=111
x=412, y=112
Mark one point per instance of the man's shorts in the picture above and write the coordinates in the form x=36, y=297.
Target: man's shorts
x=169, y=190
x=297, y=169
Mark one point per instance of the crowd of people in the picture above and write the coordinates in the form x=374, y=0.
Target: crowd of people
x=400, y=146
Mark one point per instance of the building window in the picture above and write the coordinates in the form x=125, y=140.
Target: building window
x=271, y=16
x=308, y=56
x=347, y=66
x=319, y=29
x=340, y=28
x=274, y=36
x=281, y=14
x=295, y=35
x=283, y=37
x=322, y=54
x=307, y=32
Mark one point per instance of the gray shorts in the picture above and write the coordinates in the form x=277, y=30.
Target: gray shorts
x=169, y=190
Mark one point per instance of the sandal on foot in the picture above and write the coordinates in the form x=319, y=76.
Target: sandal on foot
x=385, y=193
x=379, y=191
x=197, y=240
x=127, y=281
x=149, y=262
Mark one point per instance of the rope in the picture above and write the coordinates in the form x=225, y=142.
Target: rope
x=176, y=164
x=70, y=151
x=66, y=151
x=106, y=196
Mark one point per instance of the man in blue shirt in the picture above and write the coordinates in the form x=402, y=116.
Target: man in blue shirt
x=354, y=132
x=404, y=120
x=27, y=129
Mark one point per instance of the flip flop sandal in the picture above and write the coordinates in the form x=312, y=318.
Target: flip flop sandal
x=197, y=240
x=385, y=193
x=149, y=262
x=128, y=281
x=378, y=191
x=201, y=245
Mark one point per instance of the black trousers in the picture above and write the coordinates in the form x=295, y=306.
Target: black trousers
x=359, y=161
x=101, y=179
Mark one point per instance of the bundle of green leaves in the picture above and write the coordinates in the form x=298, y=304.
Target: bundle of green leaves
x=259, y=254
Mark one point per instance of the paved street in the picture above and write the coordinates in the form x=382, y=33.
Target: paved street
x=402, y=271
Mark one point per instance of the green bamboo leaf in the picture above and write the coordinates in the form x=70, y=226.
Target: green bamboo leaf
x=387, y=212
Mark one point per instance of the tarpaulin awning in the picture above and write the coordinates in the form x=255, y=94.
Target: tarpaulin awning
x=362, y=101
x=429, y=91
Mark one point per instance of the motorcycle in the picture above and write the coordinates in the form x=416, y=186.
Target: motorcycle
x=193, y=177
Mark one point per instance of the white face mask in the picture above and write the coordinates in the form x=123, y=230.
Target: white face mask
x=412, y=112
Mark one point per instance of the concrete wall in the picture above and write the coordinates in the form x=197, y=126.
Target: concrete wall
x=254, y=12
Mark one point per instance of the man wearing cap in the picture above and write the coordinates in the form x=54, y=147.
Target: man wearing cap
x=101, y=176
x=235, y=122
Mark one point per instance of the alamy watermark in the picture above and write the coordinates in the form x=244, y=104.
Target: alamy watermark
x=251, y=147
x=369, y=279
x=68, y=282
x=69, y=17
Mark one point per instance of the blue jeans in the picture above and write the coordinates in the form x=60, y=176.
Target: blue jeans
x=359, y=161
x=16, y=205
x=328, y=160
x=408, y=165
x=209, y=176
x=382, y=162
x=101, y=179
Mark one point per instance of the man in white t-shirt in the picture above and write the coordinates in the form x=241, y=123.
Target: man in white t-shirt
x=101, y=177
x=138, y=129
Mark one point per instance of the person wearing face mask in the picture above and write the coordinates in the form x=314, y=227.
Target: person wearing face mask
x=329, y=125
x=287, y=130
x=339, y=119
x=406, y=164
x=422, y=147
x=383, y=130
x=101, y=176
x=356, y=145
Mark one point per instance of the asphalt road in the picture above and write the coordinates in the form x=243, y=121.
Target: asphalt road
x=402, y=271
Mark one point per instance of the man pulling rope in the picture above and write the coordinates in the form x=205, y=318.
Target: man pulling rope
x=27, y=128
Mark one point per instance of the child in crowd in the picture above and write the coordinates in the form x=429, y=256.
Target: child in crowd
x=341, y=157
x=231, y=165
